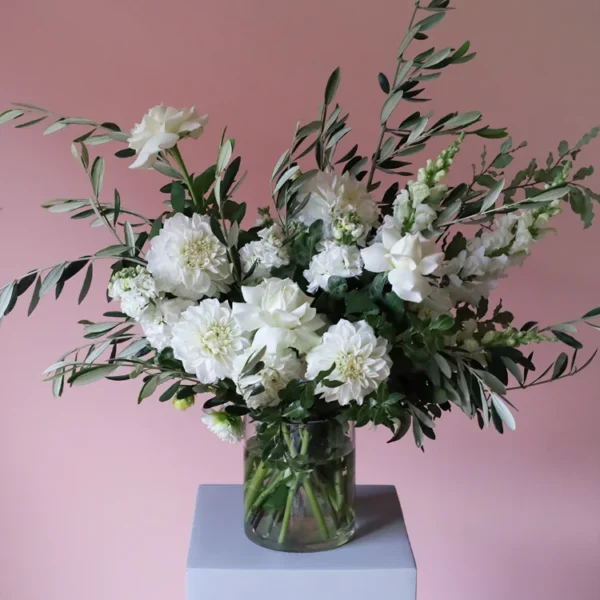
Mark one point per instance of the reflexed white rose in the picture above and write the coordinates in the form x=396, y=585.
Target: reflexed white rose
x=280, y=313
x=226, y=427
x=135, y=288
x=161, y=128
x=406, y=259
x=332, y=260
x=279, y=369
x=360, y=358
x=188, y=260
x=158, y=319
x=333, y=195
x=264, y=254
x=207, y=339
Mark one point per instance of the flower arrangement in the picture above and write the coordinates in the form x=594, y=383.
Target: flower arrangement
x=361, y=297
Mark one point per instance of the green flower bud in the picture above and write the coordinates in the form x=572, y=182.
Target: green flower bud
x=184, y=403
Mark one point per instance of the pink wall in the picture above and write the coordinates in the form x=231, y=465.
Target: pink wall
x=96, y=493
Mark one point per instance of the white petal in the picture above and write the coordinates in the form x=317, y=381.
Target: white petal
x=375, y=259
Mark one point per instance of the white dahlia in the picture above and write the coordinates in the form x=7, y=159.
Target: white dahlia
x=332, y=260
x=226, y=427
x=135, y=288
x=158, y=319
x=406, y=259
x=279, y=369
x=265, y=254
x=332, y=196
x=188, y=260
x=207, y=340
x=360, y=358
x=161, y=128
x=280, y=313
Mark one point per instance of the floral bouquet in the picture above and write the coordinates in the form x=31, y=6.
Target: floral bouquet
x=361, y=297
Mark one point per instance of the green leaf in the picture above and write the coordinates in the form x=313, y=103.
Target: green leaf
x=502, y=160
x=225, y=153
x=35, y=297
x=169, y=392
x=443, y=365
x=503, y=412
x=437, y=58
x=560, y=365
x=595, y=312
x=87, y=282
x=133, y=348
x=430, y=21
x=389, y=105
x=337, y=286
x=551, y=194
x=286, y=177
x=332, y=85
x=565, y=338
x=9, y=115
x=583, y=173
x=280, y=162
x=52, y=278
x=513, y=368
x=384, y=83
x=403, y=72
x=6, y=296
x=117, y=207
x=582, y=206
x=491, y=382
x=30, y=123
x=408, y=38
x=114, y=250
x=358, y=302
x=490, y=198
x=91, y=374
x=149, y=387
x=463, y=120
x=97, y=175
x=563, y=147
x=57, y=126
x=177, y=197
x=167, y=170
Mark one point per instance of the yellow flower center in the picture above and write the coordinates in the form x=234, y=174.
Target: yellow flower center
x=216, y=340
x=198, y=251
x=350, y=365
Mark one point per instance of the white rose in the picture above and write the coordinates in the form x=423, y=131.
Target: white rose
x=280, y=313
x=407, y=260
x=332, y=260
x=161, y=128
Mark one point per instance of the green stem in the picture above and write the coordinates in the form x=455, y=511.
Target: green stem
x=265, y=494
x=339, y=489
x=316, y=509
x=287, y=514
x=254, y=487
x=176, y=154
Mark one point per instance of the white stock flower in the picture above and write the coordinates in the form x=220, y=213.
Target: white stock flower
x=161, y=128
x=280, y=313
x=419, y=191
x=227, y=428
x=332, y=260
x=407, y=260
x=279, y=369
x=266, y=254
x=332, y=196
x=360, y=358
x=135, y=288
x=410, y=210
x=188, y=260
x=207, y=339
x=158, y=319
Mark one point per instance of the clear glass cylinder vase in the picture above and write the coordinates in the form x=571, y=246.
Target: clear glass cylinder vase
x=299, y=485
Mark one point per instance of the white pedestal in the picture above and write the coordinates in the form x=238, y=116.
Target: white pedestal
x=224, y=565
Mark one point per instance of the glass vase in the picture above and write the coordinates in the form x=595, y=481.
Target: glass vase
x=299, y=485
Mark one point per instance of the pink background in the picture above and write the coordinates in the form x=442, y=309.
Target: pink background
x=96, y=493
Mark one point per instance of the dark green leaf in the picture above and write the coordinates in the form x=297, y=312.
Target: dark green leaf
x=565, y=338
x=87, y=282
x=97, y=175
x=35, y=298
x=560, y=365
x=332, y=86
x=177, y=197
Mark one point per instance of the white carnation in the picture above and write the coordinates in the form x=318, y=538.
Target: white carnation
x=407, y=260
x=360, y=358
x=207, y=339
x=332, y=260
x=280, y=313
x=226, y=427
x=161, y=128
x=265, y=254
x=135, y=288
x=158, y=319
x=279, y=369
x=188, y=260
x=332, y=196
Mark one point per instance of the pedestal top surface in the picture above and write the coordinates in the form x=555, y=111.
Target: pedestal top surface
x=218, y=540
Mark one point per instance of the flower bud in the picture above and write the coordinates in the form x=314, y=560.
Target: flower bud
x=183, y=403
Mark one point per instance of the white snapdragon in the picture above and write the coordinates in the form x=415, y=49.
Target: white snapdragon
x=135, y=288
x=279, y=369
x=411, y=211
x=158, y=319
x=226, y=427
x=281, y=315
x=334, y=197
x=360, y=358
x=188, y=260
x=207, y=339
x=262, y=255
x=332, y=260
x=161, y=128
x=407, y=260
